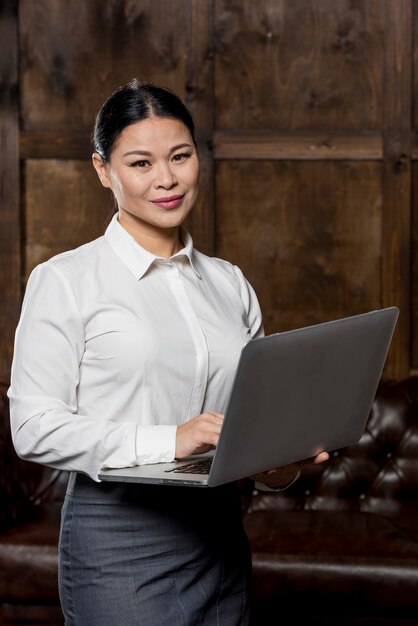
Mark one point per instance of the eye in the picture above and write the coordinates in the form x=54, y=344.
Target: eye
x=140, y=163
x=181, y=156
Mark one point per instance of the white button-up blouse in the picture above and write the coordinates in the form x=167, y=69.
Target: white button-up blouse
x=116, y=347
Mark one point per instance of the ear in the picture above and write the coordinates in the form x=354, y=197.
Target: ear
x=101, y=170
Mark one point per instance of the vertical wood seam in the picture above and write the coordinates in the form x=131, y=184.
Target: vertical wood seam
x=200, y=91
x=396, y=172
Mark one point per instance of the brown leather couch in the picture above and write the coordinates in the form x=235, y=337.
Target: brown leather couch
x=339, y=547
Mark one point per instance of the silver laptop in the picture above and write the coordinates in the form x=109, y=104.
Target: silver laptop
x=295, y=394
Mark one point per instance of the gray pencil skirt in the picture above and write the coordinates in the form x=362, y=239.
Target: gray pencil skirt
x=144, y=555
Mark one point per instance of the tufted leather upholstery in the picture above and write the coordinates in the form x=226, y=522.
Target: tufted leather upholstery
x=339, y=547
x=379, y=474
x=345, y=536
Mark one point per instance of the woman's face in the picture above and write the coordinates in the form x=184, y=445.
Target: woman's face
x=153, y=172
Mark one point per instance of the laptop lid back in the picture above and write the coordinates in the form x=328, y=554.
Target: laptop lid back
x=302, y=391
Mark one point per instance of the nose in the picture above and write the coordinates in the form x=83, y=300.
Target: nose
x=164, y=176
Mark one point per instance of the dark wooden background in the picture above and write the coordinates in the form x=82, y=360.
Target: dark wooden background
x=307, y=131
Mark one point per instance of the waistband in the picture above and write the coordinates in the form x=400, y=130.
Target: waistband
x=81, y=484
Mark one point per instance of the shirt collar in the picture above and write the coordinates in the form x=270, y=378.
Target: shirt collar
x=135, y=257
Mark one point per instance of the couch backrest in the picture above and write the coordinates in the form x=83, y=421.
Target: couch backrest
x=379, y=473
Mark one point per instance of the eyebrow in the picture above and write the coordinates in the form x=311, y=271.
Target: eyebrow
x=146, y=153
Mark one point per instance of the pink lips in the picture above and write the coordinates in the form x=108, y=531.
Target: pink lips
x=169, y=202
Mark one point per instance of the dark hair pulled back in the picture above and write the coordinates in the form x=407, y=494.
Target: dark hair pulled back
x=133, y=103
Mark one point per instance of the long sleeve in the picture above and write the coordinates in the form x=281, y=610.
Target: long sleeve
x=46, y=426
x=115, y=348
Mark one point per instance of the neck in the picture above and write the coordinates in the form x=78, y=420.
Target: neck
x=163, y=243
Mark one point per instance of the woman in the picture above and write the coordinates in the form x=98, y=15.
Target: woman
x=125, y=354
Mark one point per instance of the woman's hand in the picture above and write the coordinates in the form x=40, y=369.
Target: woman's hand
x=281, y=477
x=199, y=434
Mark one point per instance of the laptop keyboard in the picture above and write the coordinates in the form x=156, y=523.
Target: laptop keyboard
x=197, y=467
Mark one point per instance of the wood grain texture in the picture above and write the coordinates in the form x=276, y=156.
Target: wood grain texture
x=200, y=100
x=299, y=65
x=10, y=286
x=311, y=100
x=414, y=269
x=74, y=54
x=396, y=182
x=55, y=144
x=218, y=144
x=414, y=76
x=303, y=145
x=414, y=204
x=66, y=206
x=306, y=235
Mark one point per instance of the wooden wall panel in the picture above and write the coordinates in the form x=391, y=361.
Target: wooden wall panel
x=66, y=206
x=10, y=285
x=73, y=54
x=414, y=57
x=307, y=236
x=414, y=268
x=199, y=98
x=414, y=199
x=396, y=181
x=299, y=65
x=314, y=101
x=327, y=80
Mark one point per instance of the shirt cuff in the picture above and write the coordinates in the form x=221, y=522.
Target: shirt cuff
x=155, y=444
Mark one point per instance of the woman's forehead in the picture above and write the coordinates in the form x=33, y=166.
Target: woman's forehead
x=154, y=131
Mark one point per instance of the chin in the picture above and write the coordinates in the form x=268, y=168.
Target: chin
x=171, y=221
